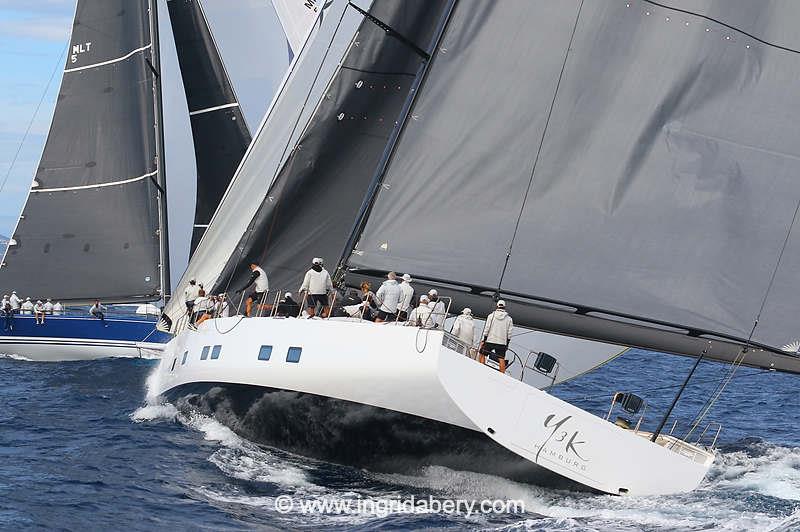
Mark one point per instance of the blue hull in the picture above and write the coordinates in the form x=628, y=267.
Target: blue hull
x=79, y=337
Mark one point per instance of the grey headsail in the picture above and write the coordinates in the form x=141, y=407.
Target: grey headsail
x=93, y=224
x=312, y=204
x=623, y=170
x=219, y=130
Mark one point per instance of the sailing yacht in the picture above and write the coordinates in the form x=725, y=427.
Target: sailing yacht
x=94, y=224
x=616, y=171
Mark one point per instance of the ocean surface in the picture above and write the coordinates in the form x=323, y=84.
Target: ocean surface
x=80, y=449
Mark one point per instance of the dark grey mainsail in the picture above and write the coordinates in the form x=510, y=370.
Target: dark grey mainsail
x=219, y=130
x=93, y=224
x=621, y=170
x=312, y=204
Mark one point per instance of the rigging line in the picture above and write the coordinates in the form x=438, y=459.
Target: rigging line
x=717, y=21
x=33, y=118
x=539, y=150
x=703, y=412
x=393, y=32
x=250, y=228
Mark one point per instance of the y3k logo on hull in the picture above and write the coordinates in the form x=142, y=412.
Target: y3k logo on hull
x=566, y=442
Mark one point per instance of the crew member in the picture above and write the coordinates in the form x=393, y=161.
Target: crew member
x=260, y=283
x=317, y=285
x=288, y=307
x=58, y=308
x=421, y=315
x=464, y=327
x=438, y=310
x=190, y=293
x=48, y=306
x=38, y=312
x=15, y=301
x=27, y=306
x=388, y=297
x=406, y=299
x=496, y=336
x=8, y=315
x=98, y=311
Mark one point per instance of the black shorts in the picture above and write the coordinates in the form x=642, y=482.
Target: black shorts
x=256, y=297
x=496, y=352
x=317, y=299
x=385, y=316
x=189, y=306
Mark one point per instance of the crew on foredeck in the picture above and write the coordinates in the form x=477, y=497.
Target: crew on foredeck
x=48, y=306
x=497, y=336
x=316, y=286
x=27, y=306
x=406, y=299
x=38, y=312
x=438, y=310
x=421, y=315
x=15, y=301
x=388, y=297
x=260, y=283
x=189, y=295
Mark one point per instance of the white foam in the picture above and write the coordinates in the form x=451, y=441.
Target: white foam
x=164, y=411
x=775, y=471
x=13, y=356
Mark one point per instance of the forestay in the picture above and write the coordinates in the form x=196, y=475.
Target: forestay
x=90, y=226
x=607, y=160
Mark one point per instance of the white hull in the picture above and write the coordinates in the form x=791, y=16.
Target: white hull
x=68, y=349
x=408, y=370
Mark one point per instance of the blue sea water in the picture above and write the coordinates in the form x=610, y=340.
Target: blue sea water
x=81, y=450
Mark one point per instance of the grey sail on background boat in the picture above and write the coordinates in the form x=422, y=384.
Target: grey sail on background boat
x=94, y=222
x=219, y=130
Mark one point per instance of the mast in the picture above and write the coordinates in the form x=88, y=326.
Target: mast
x=369, y=198
x=161, y=183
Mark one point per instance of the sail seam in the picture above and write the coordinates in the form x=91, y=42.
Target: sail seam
x=215, y=108
x=110, y=61
x=96, y=185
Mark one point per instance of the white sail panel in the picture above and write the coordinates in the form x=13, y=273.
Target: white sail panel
x=297, y=18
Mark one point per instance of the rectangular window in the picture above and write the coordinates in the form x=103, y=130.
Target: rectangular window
x=204, y=353
x=265, y=352
x=294, y=354
x=185, y=354
x=215, y=352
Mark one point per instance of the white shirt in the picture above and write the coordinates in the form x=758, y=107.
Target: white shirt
x=438, y=312
x=498, y=327
x=48, y=307
x=317, y=282
x=14, y=300
x=407, y=296
x=191, y=292
x=201, y=303
x=38, y=308
x=388, y=296
x=223, y=309
x=422, y=314
x=262, y=283
x=464, y=329
x=58, y=308
x=27, y=307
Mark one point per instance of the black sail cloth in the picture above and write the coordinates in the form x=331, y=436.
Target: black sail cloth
x=312, y=205
x=90, y=226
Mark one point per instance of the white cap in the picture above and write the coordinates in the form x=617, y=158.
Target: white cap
x=13, y=291
x=406, y=278
x=48, y=299
x=433, y=292
x=316, y=260
x=467, y=311
x=287, y=294
x=27, y=299
x=501, y=304
x=423, y=297
x=38, y=301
